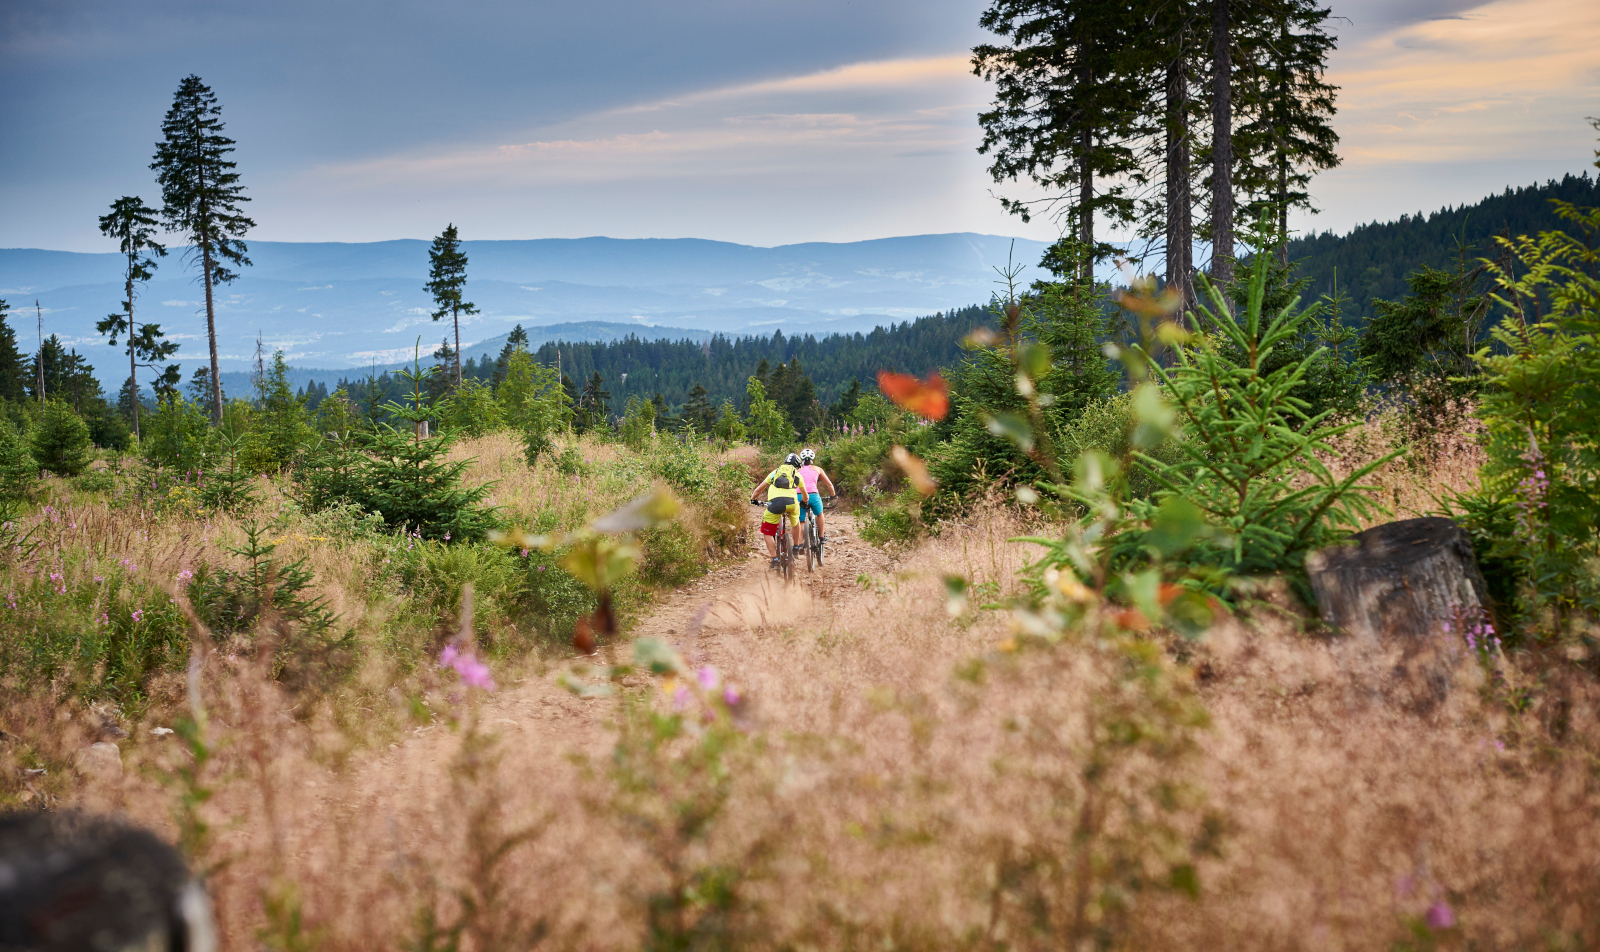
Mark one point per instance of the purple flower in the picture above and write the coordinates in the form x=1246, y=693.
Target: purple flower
x=730, y=696
x=138, y=613
x=474, y=673
x=680, y=698
x=707, y=676
x=1440, y=915
x=447, y=537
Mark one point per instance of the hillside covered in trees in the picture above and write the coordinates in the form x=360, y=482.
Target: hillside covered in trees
x=1374, y=261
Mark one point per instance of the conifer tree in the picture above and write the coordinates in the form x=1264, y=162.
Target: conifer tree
x=697, y=410
x=1066, y=103
x=517, y=339
x=447, y=280
x=133, y=226
x=1287, y=108
x=201, y=195
x=1221, y=143
x=13, y=370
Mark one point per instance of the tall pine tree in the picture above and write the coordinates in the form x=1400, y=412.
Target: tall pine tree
x=1287, y=108
x=133, y=226
x=447, y=280
x=1065, y=114
x=201, y=195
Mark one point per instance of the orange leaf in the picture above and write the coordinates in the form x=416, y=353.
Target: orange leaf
x=1131, y=619
x=915, y=469
x=929, y=399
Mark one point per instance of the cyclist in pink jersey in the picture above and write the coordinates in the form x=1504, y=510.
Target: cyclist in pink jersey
x=811, y=502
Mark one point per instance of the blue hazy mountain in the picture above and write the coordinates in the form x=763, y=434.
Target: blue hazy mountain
x=337, y=306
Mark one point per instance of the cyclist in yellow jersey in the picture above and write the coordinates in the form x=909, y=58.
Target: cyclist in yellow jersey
x=782, y=486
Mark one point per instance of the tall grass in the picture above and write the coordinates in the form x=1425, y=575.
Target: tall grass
x=899, y=779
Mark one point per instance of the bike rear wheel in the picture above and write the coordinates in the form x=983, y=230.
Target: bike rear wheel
x=785, y=551
x=811, y=545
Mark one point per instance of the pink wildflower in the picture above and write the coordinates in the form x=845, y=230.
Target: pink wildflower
x=730, y=696
x=474, y=673
x=1440, y=915
x=707, y=676
x=138, y=613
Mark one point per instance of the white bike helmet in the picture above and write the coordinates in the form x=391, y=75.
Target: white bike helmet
x=807, y=455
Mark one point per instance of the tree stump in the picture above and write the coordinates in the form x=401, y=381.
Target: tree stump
x=1413, y=585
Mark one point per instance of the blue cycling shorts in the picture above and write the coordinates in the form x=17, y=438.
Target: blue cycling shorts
x=813, y=504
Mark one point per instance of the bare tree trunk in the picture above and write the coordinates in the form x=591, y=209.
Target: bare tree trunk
x=1180, y=202
x=211, y=334
x=456, y=316
x=133, y=367
x=1221, y=146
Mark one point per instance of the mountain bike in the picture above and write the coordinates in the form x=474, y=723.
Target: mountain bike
x=814, y=542
x=786, y=555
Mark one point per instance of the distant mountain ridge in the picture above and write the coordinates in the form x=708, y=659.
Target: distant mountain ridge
x=346, y=306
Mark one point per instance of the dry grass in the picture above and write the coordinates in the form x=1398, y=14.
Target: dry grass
x=885, y=799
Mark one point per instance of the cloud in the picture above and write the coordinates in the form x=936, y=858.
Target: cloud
x=878, y=109
x=1505, y=79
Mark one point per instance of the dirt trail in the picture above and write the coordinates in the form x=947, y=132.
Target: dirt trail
x=730, y=602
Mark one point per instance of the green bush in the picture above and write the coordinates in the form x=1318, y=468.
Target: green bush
x=471, y=410
x=891, y=518
x=61, y=440
x=1536, y=511
x=673, y=555
x=729, y=428
x=1107, y=426
x=638, y=424
x=536, y=443
x=571, y=463
x=178, y=436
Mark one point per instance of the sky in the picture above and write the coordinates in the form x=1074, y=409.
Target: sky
x=764, y=122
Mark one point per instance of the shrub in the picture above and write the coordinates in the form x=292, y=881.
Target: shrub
x=729, y=428
x=178, y=436
x=531, y=396
x=471, y=410
x=61, y=440
x=892, y=518
x=673, y=555
x=536, y=443
x=768, y=426
x=638, y=424
x=571, y=462
x=1537, y=508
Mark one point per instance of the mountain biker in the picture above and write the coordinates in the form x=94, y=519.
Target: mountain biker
x=783, y=494
x=810, y=474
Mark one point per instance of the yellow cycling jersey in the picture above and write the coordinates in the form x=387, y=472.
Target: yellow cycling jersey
x=774, y=491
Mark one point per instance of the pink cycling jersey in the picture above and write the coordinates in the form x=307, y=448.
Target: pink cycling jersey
x=808, y=477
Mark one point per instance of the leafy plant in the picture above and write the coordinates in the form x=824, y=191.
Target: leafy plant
x=729, y=428
x=1535, y=513
x=767, y=425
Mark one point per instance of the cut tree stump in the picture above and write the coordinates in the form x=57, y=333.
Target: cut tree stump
x=1412, y=585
